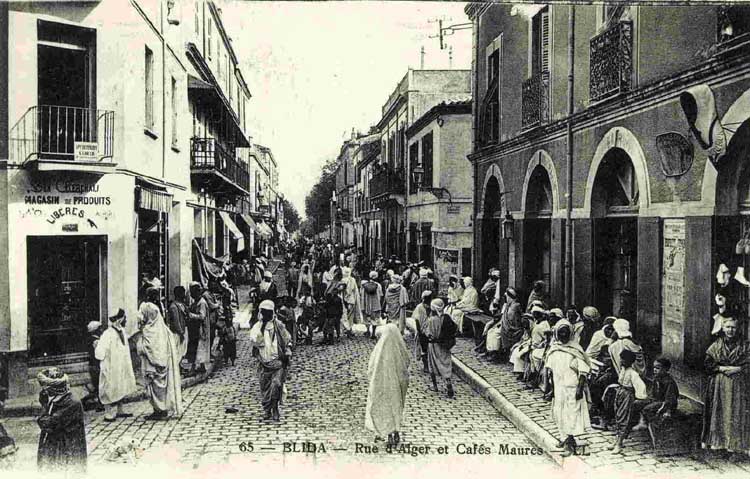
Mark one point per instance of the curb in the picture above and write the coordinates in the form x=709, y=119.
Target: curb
x=35, y=409
x=538, y=435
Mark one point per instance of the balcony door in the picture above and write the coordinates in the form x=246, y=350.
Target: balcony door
x=66, y=88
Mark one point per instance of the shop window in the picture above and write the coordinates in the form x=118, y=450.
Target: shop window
x=65, y=278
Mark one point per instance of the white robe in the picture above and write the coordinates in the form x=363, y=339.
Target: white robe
x=116, y=377
x=388, y=377
x=570, y=414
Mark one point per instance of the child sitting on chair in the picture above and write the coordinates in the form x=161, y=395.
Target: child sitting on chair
x=663, y=394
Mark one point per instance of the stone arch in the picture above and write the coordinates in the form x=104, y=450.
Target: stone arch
x=624, y=139
x=721, y=183
x=543, y=159
x=493, y=171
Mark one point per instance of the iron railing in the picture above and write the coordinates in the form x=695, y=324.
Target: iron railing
x=535, y=100
x=387, y=181
x=51, y=132
x=611, y=61
x=210, y=154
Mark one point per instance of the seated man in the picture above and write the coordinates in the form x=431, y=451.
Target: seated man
x=503, y=334
x=541, y=332
x=469, y=303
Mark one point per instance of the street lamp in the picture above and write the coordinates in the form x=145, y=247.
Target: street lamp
x=417, y=175
x=508, y=223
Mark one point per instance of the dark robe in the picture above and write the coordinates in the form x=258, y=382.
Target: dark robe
x=62, y=439
x=726, y=423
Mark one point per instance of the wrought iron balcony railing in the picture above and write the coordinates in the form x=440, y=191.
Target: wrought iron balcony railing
x=52, y=132
x=208, y=154
x=611, y=61
x=387, y=181
x=535, y=100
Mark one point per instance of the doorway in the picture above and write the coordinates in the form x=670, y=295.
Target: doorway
x=65, y=280
x=490, y=228
x=538, y=229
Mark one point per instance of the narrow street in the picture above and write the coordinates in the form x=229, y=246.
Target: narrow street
x=327, y=394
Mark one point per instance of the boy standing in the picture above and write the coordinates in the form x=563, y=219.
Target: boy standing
x=631, y=388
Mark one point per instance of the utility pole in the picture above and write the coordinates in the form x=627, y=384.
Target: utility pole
x=448, y=30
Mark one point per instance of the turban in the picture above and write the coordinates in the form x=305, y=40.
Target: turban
x=423, y=273
x=426, y=293
x=93, y=326
x=562, y=324
x=556, y=312
x=373, y=275
x=267, y=304
x=396, y=278
x=268, y=274
x=391, y=273
x=195, y=284
x=54, y=381
x=591, y=312
x=468, y=281
x=622, y=328
x=511, y=292
x=538, y=309
x=437, y=305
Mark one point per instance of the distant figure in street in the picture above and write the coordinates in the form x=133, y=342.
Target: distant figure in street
x=441, y=337
x=91, y=400
x=334, y=310
x=177, y=319
x=199, y=330
x=352, y=306
x=62, y=438
x=396, y=299
x=372, y=300
x=388, y=380
x=274, y=351
x=116, y=368
x=569, y=366
x=538, y=293
x=305, y=277
x=160, y=364
x=418, y=323
x=418, y=286
x=292, y=279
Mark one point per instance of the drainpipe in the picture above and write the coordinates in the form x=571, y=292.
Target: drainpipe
x=569, y=159
x=163, y=95
x=474, y=129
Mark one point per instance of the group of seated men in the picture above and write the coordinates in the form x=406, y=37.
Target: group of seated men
x=620, y=391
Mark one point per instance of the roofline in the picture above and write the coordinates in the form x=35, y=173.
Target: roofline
x=457, y=108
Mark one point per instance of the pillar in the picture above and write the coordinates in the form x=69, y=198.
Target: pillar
x=699, y=277
x=583, y=262
x=517, y=276
x=557, y=261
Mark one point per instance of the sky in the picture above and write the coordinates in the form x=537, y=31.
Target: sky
x=316, y=70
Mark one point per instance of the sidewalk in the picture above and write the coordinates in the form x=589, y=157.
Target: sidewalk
x=29, y=405
x=532, y=415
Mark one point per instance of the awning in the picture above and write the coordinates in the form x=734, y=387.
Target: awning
x=152, y=199
x=234, y=229
x=249, y=222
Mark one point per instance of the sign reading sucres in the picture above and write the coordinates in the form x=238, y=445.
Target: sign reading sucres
x=85, y=151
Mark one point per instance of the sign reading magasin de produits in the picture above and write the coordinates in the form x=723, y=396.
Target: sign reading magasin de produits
x=61, y=201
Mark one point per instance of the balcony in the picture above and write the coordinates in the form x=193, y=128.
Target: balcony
x=535, y=101
x=214, y=167
x=387, y=186
x=64, y=138
x=611, y=61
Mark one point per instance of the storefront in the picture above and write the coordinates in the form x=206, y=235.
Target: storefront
x=153, y=205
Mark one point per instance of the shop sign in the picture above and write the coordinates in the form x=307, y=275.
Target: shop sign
x=673, y=288
x=64, y=201
x=85, y=151
x=446, y=264
x=675, y=152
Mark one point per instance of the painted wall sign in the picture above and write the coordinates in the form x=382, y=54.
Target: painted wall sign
x=673, y=288
x=446, y=264
x=675, y=152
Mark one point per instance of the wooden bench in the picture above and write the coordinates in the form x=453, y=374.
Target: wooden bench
x=478, y=320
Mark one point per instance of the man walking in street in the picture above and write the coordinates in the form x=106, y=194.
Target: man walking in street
x=198, y=330
x=292, y=277
x=274, y=350
x=117, y=379
x=177, y=320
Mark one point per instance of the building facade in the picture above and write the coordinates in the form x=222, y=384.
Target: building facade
x=439, y=190
x=111, y=176
x=652, y=163
x=416, y=93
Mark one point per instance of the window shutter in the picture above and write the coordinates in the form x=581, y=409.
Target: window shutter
x=544, y=43
x=413, y=161
x=427, y=160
